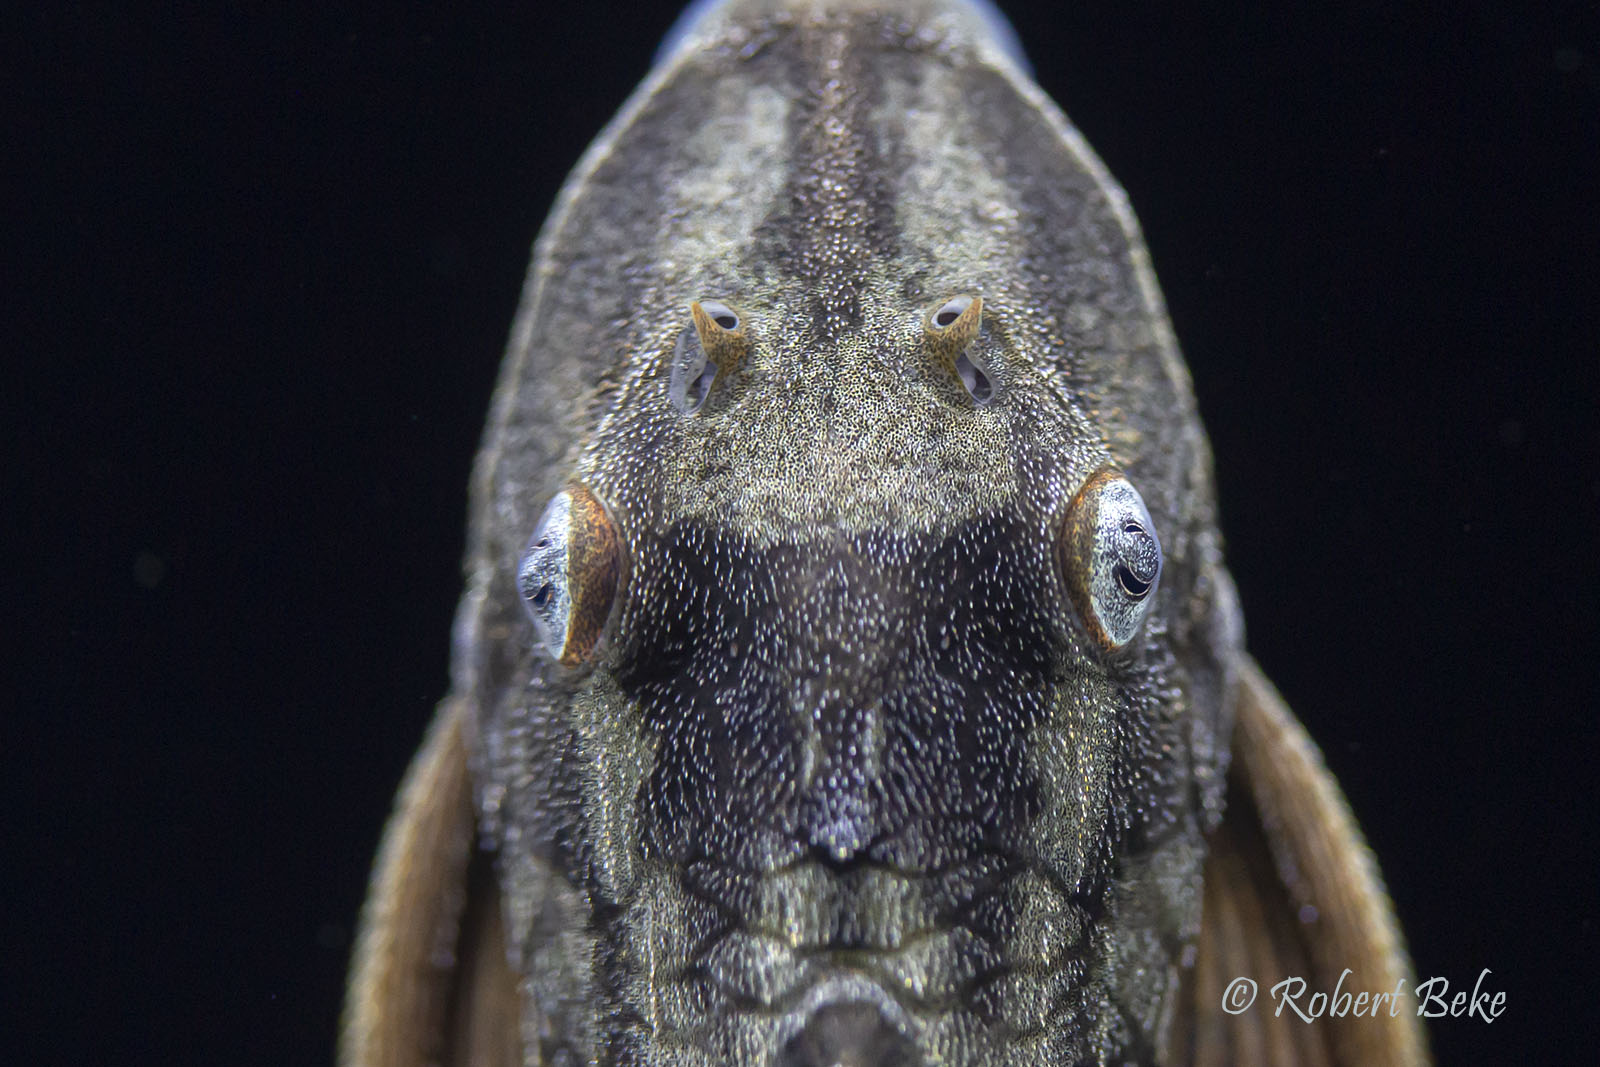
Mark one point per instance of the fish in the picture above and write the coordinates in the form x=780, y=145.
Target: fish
x=848, y=670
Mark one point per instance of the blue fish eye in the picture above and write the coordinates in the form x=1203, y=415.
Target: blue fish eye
x=1110, y=558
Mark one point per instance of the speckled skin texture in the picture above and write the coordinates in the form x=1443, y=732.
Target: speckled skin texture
x=846, y=779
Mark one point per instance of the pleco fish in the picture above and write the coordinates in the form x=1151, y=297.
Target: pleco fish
x=848, y=671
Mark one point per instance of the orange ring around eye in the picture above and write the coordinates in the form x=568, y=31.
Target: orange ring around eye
x=595, y=569
x=1093, y=558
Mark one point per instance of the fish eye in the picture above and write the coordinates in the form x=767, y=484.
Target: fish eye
x=1110, y=558
x=569, y=574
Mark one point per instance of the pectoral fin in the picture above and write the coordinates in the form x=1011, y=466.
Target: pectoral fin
x=1293, y=891
x=430, y=983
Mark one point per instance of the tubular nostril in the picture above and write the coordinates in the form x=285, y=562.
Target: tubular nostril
x=953, y=333
x=852, y=1034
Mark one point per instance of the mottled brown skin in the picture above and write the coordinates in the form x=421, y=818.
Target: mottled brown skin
x=846, y=776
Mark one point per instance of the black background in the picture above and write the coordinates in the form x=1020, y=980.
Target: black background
x=266, y=262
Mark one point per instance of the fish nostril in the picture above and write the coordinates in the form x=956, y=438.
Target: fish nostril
x=849, y=1034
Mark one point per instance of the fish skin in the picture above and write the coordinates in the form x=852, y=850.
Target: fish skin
x=840, y=771
x=847, y=743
